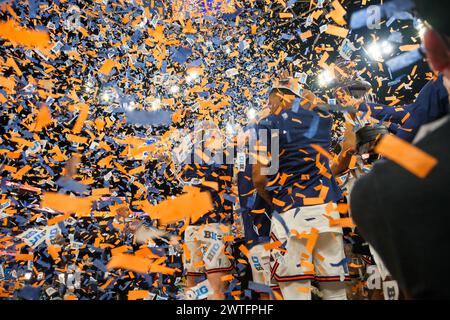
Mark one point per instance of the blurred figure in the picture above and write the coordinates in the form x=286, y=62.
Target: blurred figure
x=256, y=214
x=207, y=251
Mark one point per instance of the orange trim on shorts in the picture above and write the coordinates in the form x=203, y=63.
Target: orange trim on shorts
x=334, y=278
x=220, y=269
x=195, y=274
x=294, y=278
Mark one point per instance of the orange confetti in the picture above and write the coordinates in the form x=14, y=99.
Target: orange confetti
x=25, y=37
x=337, y=31
x=107, y=66
x=275, y=245
x=244, y=250
x=286, y=15
x=306, y=35
x=303, y=289
x=193, y=204
x=19, y=174
x=44, y=118
x=227, y=277
x=53, y=251
x=82, y=117
x=138, y=294
x=277, y=202
x=24, y=257
x=77, y=139
x=344, y=223
x=130, y=262
x=312, y=201
x=312, y=239
x=406, y=155
x=58, y=219
x=409, y=47
x=66, y=203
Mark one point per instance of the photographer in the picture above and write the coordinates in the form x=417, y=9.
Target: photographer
x=431, y=104
x=361, y=146
x=405, y=217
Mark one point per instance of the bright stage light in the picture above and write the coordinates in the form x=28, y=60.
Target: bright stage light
x=251, y=114
x=156, y=104
x=325, y=78
x=191, y=77
x=174, y=89
x=105, y=96
x=379, y=50
x=130, y=106
x=420, y=27
x=28, y=275
x=229, y=129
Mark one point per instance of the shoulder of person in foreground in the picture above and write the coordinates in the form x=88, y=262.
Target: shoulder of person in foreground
x=391, y=187
x=392, y=206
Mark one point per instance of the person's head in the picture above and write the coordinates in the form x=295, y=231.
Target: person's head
x=283, y=94
x=437, y=38
x=280, y=99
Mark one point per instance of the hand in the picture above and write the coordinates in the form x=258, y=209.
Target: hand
x=70, y=169
x=175, y=242
x=311, y=98
x=285, y=74
x=349, y=143
x=123, y=212
x=133, y=226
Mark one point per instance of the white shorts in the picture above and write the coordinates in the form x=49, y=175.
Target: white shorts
x=207, y=251
x=259, y=259
x=293, y=261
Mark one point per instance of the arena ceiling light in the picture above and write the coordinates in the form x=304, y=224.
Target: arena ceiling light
x=174, y=89
x=420, y=27
x=130, y=106
x=192, y=75
x=105, y=96
x=378, y=50
x=325, y=78
x=229, y=129
x=251, y=114
x=156, y=104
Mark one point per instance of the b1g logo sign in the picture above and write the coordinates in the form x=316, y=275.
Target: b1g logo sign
x=197, y=293
x=200, y=291
x=213, y=251
x=256, y=263
x=212, y=235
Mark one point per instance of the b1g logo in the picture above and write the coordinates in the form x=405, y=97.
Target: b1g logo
x=197, y=293
x=212, y=235
x=214, y=249
x=256, y=263
x=201, y=291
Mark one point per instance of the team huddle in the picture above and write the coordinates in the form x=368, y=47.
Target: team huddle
x=292, y=197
